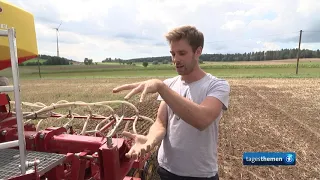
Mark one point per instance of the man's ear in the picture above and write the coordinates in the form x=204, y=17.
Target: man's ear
x=198, y=51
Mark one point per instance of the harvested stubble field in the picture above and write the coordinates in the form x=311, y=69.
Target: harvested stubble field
x=264, y=115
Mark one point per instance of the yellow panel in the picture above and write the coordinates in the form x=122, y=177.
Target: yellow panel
x=23, y=22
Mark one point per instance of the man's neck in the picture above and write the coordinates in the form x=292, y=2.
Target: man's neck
x=195, y=75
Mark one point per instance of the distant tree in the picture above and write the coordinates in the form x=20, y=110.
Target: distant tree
x=165, y=62
x=88, y=61
x=145, y=64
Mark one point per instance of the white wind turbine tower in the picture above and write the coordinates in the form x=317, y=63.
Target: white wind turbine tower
x=57, y=31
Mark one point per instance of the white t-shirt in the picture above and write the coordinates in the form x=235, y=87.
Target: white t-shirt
x=186, y=151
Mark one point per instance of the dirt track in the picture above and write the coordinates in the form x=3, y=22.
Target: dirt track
x=264, y=120
x=271, y=116
x=264, y=115
x=268, y=115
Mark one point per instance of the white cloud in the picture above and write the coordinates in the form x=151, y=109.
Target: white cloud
x=308, y=7
x=270, y=46
x=308, y=46
x=233, y=25
x=128, y=29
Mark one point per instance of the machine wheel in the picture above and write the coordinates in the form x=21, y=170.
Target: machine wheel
x=149, y=171
x=134, y=173
x=150, y=167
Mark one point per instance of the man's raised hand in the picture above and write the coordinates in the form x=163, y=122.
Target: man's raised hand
x=144, y=87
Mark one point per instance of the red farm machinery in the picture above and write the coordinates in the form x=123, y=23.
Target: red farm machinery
x=58, y=153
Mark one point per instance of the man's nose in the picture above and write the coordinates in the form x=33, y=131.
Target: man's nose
x=176, y=60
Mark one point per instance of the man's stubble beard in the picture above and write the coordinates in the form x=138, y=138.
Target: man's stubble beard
x=189, y=69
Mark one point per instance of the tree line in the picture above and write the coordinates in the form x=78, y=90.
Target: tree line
x=49, y=60
x=250, y=56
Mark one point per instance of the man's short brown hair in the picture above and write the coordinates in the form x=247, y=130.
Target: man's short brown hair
x=190, y=33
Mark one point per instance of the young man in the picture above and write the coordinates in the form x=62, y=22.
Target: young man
x=188, y=116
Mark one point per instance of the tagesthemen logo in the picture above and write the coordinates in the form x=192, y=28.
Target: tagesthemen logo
x=269, y=158
x=289, y=159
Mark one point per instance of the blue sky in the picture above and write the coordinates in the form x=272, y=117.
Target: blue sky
x=129, y=29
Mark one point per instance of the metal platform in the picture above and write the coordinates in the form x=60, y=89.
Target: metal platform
x=10, y=161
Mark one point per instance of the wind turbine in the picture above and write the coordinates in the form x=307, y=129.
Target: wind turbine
x=57, y=31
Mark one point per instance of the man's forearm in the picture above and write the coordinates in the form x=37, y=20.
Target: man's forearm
x=187, y=110
x=156, y=133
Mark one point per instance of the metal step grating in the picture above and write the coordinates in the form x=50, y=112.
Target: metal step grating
x=10, y=161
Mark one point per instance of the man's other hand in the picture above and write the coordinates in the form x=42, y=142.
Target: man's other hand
x=141, y=145
x=149, y=86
